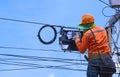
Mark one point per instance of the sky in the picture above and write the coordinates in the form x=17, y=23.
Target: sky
x=24, y=35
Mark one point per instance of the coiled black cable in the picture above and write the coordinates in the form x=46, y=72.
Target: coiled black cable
x=51, y=41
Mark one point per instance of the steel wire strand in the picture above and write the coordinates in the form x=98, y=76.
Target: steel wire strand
x=39, y=66
x=61, y=60
x=92, y=65
x=32, y=22
x=37, y=57
x=20, y=48
x=35, y=66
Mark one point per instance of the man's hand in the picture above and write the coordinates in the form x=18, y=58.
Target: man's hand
x=76, y=37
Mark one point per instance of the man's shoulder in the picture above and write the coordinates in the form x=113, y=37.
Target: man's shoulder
x=98, y=28
x=95, y=30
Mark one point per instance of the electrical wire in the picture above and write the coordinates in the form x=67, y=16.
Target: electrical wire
x=51, y=67
x=18, y=69
x=37, y=65
x=53, y=39
x=65, y=62
x=9, y=62
x=32, y=66
x=3, y=61
x=103, y=11
x=42, y=66
x=20, y=48
x=108, y=5
x=104, y=3
x=38, y=23
x=45, y=58
x=24, y=63
x=117, y=10
x=39, y=68
x=30, y=22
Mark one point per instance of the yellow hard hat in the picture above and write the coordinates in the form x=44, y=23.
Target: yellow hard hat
x=87, y=18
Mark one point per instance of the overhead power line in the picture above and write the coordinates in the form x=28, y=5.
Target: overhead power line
x=3, y=61
x=8, y=19
x=36, y=65
x=38, y=23
x=20, y=48
x=104, y=3
x=42, y=58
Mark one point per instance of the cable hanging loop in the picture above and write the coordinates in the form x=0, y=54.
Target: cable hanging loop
x=51, y=41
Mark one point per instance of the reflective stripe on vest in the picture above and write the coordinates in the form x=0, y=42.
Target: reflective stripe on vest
x=96, y=31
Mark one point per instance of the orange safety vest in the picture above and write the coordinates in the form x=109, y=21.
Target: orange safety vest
x=88, y=42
